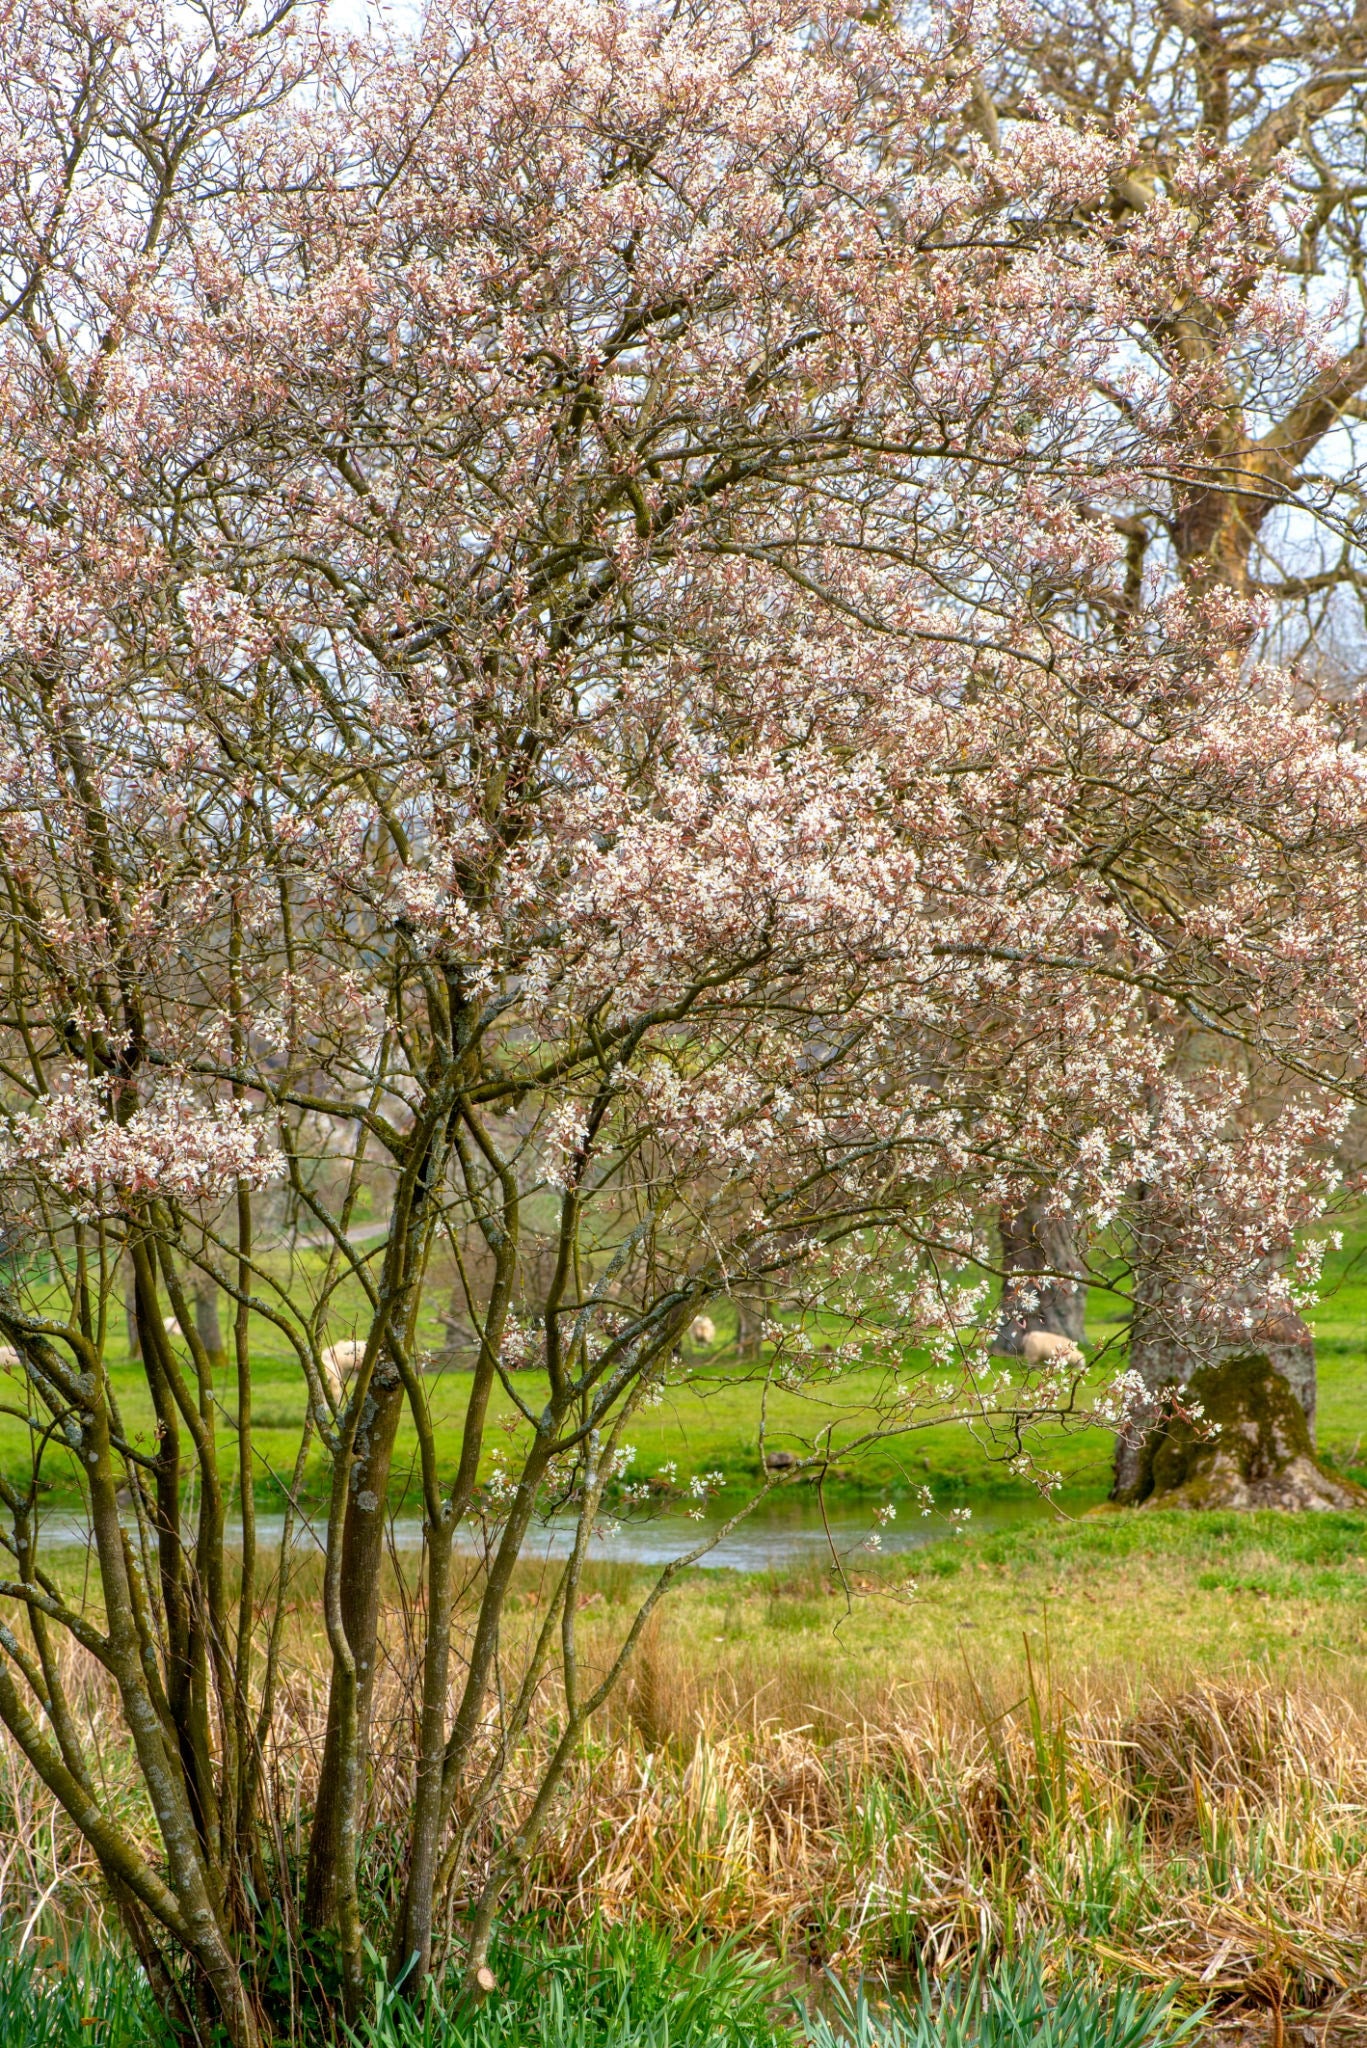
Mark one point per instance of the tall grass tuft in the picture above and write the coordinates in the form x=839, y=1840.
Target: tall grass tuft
x=1007, y=2006
x=95, y=1999
x=624, y=1986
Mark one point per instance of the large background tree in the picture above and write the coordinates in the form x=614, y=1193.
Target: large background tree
x=1276, y=96
x=526, y=698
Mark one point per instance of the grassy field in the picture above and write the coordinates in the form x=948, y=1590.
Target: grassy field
x=708, y=1422
x=1140, y=1740
x=1111, y=1600
x=1137, y=1743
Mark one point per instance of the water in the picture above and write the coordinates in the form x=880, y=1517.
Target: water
x=779, y=1535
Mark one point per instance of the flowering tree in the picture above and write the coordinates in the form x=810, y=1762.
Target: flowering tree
x=530, y=685
x=1276, y=95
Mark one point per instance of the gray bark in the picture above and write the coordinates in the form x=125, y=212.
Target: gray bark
x=752, y=1306
x=362, y=1565
x=130, y=1313
x=1040, y=1257
x=207, y=1325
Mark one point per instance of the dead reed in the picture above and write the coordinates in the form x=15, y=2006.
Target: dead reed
x=1215, y=1836
x=1212, y=1833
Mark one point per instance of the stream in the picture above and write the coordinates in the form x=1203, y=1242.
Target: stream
x=777, y=1536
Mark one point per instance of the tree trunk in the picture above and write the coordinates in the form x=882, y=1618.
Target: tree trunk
x=1218, y=520
x=1039, y=1254
x=207, y=1325
x=752, y=1307
x=1250, y=1446
x=362, y=1560
x=1168, y=1348
x=130, y=1313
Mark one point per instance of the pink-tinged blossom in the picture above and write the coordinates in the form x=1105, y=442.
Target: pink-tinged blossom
x=172, y=1145
x=578, y=625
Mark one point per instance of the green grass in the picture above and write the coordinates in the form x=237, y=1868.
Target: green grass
x=625, y=1986
x=709, y=1423
x=1113, y=1598
x=631, y=1986
x=91, y=2000
x=1009, y=2005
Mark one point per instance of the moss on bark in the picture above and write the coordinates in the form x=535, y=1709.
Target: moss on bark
x=1250, y=1447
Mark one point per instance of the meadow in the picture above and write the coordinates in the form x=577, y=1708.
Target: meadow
x=1124, y=1751
x=1131, y=1747
x=707, y=1422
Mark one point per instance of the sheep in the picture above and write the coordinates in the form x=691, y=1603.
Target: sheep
x=703, y=1330
x=1045, y=1347
x=9, y=1358
x=339, y=1360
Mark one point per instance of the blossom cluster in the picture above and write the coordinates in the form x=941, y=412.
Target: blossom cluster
x=174, y=1144
x=587, y=626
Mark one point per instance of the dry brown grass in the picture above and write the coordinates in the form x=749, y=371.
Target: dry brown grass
x=1215, y=1835
x=1212, y=1831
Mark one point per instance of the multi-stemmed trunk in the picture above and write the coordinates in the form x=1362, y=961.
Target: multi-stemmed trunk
x=361, y=1574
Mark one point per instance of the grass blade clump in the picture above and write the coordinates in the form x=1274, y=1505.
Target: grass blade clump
x=615, y=1987
x=99, y=1999
x=1006, y=2006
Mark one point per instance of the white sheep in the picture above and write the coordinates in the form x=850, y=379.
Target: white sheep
x=9, y=1358
x=1044, y=1347
x=703, y=1330
x=339, y=1360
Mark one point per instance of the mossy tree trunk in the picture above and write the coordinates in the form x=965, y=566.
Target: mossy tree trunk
x=1169, y=1348
x=1239, y=1439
